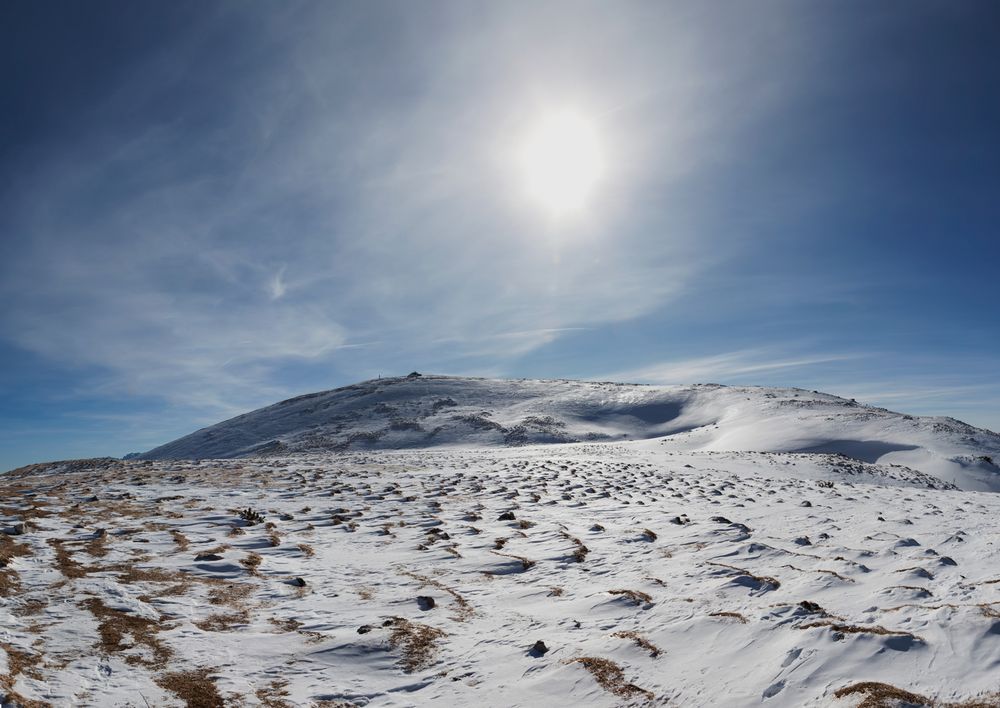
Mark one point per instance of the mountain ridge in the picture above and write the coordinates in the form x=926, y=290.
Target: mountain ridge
x=426, y=411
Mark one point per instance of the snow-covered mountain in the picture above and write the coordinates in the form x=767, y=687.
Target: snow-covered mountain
x=431, y=411
x=433, y=541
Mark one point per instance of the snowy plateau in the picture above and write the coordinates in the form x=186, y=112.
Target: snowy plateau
x=432, y=540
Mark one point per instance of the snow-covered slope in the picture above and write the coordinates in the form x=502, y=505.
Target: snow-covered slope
x=594, y=575
x=431, y=411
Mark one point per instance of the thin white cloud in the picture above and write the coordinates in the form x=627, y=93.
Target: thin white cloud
x=376, y=176
x=276, y=285
x=725, y=367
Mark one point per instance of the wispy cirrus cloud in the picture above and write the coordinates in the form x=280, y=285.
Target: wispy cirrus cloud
x=741, y=366
x=328, y=192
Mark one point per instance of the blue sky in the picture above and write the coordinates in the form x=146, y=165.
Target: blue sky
x=207, y=207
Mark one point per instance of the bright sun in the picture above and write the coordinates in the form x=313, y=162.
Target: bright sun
x=561, y=162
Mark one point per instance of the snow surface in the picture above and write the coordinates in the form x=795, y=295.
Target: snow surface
x=677, y=570
x=433, y=411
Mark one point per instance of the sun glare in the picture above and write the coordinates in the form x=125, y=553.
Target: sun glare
x=561, y=162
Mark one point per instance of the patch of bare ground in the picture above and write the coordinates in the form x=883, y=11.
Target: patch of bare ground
x=97, y=546
x=417, y=642
x=274, y=694
x=121, y=631
x=223, y=622
x=636, y=596
x=231, y=594
x=29, y=607
x=108, y=510
x=463, y=609
x=731, y=615
x=65, y=562
x=610, y=677
x=35, y=511
x=129, y=573
x=285, y=625
x=881, y=695
x=654, y=651
x=11, y=549
x=252, y=562
x=19, y=662
x=193, y=687
x=180, y=540
x=10, y=583
x=858, y=629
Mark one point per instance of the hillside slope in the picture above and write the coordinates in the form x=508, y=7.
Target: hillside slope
x=431, y=411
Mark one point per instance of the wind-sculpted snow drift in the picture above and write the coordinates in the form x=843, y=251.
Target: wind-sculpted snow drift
x=432, y=411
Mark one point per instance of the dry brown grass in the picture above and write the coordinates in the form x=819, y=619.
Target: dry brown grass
x=762, y=579
x=881, y=695
x=285, y=625
x=65, y=562
x=116, y=628
x=463, y=610
x=820, y=570
x=11, y=549
x=180, y=540
x=580, y=551
x=858, y=629
x=10, y=583
x=252, y=562
x=29, y=607
x=732, y=615
x=526, y=564
x=193, y=687
x=97, y=546
x=307, y=550
x=417, y=642
x=19, y=662
x=129, y=573
x=654, y=651
x=231, y=594
x=611, y=678
x=274, y=694
x=223, y=622
x=22, y=662
x=636, y=596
